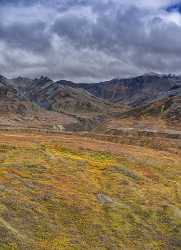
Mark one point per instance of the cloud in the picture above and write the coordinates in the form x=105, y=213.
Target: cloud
x=88, y=40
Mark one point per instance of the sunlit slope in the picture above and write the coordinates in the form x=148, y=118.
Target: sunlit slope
x=69, y=192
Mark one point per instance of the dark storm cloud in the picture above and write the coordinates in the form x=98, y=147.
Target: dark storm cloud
x=123, y=32
x=89, y=40
x=112, y=32
x=31, y=36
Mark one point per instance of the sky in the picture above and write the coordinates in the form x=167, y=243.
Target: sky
x=89, y=40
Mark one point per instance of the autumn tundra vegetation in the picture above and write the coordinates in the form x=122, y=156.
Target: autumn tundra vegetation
x=75, y=191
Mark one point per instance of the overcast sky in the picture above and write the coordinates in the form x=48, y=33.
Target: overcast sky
x=89, y=40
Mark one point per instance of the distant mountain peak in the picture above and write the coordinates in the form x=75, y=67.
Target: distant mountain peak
x=65, y=82
x=21, y=78
x=2, y=78
x=44, y=79
x=152, y=74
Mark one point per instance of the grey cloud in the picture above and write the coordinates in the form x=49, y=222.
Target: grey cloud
x=91, y=40
x=119, y=32
x=26, y=36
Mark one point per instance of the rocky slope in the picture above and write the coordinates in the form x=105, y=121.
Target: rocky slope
x=161, y=114
x=87, y=105
x=58, y=96
x=132, y=91
x=16, y=110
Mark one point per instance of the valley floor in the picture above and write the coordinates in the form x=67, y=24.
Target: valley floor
x=73, y=191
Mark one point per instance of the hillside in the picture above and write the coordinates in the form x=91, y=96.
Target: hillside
x=18, y=111
x=48, y=103
x=55, y=104
x=60, y=98
x=82, y=193
x=132, y=91
x=164, y=112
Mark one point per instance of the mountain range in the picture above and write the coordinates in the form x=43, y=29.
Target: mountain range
x=44, y=103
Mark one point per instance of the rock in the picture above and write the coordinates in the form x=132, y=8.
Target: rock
x=104, y=199
x=58, y=127
x=2, y=187
x=123, y=170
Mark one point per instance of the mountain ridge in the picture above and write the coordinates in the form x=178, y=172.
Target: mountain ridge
x=87, y=102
